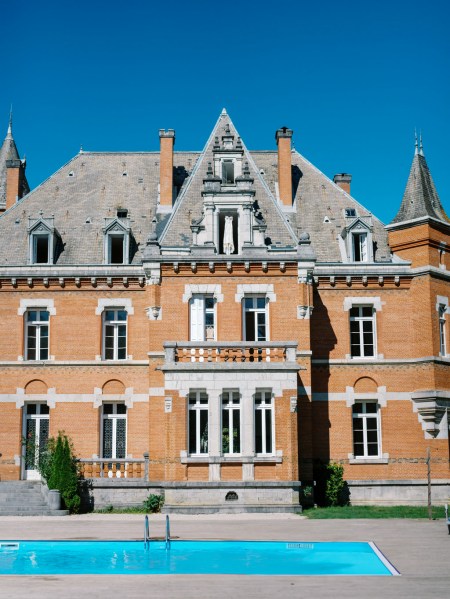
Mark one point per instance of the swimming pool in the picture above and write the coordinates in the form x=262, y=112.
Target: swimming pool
x=270, y=558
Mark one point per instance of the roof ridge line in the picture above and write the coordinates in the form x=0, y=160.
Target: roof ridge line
x=179, y=200
x=267, y=188
x=339, y=188
x=19, y=202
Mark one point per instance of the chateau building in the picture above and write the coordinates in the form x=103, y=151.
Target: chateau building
x=214, y=325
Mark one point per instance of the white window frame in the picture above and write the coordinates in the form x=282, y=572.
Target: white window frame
x=199, y=404
x=364, y=417
x=255, y=310
x=115, y=324
x=267, y=404
x=442, y=308
x=360, y=242
x=114, y=417
x=360, y=319
x=442, y=331
x=34, y=242
x=39, y=324
x=198, y=312
x=225, y=161
x=110, y=237
x=228, y=405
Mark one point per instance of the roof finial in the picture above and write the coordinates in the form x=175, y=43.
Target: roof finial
x=421, y=146
x=416, y=146
x=9, y=133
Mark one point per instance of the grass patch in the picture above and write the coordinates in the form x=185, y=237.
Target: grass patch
x=373, y=511
x=110, y=509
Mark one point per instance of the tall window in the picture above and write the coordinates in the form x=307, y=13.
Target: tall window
x=359, y=243
x=255, y=319
x=203, y=318
x=227, y=172
x=36, y=334
x=442, y=336
x=198, y=422
x=115, y=334
x=366, y=430
x=36, y=429
x=362, y=332
x=231, y=422
x=114, y=442
x=264, y=422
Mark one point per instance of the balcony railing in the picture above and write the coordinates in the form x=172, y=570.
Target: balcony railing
x=114, y=468
x=240, y=351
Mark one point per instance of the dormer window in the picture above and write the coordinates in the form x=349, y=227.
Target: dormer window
x=116, y=242
x=42, y=241
x=116, y=249
x=41, y=248
x=358, y=239
x=227, y=172
x=359, y=247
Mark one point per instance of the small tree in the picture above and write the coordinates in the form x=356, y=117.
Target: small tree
x=336, y=487
x=60, y=471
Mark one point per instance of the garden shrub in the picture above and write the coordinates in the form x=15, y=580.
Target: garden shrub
x=336, y=490
x=154, y=503
x=58, y=467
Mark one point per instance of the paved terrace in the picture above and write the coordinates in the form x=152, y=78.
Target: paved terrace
x=419, y=549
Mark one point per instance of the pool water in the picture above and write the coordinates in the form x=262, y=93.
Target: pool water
x=192, y=557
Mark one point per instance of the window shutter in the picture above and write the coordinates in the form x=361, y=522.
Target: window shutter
x=197, y=318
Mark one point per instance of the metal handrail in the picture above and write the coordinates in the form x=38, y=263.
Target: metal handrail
x=146, y=533
x=167, y=532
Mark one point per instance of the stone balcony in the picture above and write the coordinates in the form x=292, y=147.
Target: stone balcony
x=246, y=354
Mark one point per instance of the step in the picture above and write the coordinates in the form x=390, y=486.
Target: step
x=38, y=512
x=19, y=484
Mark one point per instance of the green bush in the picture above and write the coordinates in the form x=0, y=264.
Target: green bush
x=154, y=503
x=58, y=467
x=336, y=490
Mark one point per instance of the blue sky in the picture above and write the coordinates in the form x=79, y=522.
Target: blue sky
x=352, y=79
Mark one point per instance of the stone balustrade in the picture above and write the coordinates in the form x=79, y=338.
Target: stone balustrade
x=114, y=468
x=229, y=352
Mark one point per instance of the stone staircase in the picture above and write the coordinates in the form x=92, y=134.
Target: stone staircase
x=24, y=498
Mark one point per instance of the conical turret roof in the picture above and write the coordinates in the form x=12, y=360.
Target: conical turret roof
x=420, y=199
x=8, y=151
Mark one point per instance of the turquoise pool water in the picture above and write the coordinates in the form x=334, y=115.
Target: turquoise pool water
x=192, y=557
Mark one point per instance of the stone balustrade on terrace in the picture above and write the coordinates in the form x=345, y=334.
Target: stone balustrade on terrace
x=230, y=352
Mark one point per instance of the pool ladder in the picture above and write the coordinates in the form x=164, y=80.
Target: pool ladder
x=147, y=532
x=167, y=532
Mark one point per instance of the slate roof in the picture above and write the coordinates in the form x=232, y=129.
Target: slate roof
x=420, y=198
x=93, y=185
x=317, y=197
x=8, y=151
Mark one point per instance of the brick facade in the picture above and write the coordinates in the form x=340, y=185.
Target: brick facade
x=279, y=337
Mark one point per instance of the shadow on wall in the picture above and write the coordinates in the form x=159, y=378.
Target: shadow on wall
x=323, y=341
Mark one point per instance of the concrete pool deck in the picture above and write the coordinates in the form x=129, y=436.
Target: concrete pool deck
x=419, y=549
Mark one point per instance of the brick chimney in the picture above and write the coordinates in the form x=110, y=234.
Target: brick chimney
x=343, y=180
x=167, y=141
x=283, y=137
x=15, y=176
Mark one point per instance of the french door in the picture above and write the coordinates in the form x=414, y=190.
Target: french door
x=114, y=437
x=35, y=429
